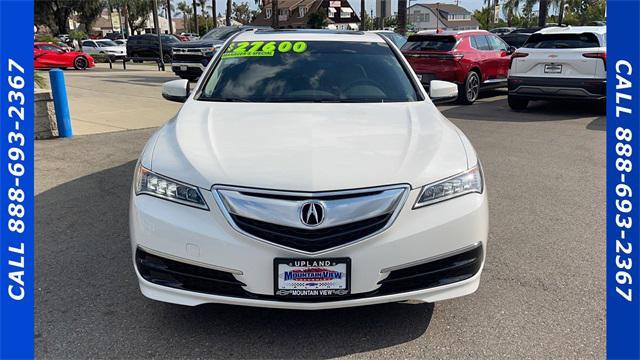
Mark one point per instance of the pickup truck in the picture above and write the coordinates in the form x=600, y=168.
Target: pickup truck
x=189, y=59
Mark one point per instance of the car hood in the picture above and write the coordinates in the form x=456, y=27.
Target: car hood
x=308, y=146
x=199, y=43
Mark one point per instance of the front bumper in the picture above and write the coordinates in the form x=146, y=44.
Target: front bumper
x=557, y=88
x=445, y=241
x=188, y=69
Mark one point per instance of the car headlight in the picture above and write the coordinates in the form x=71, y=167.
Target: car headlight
x=148, y=182
x=469, y=181
x=211, y=50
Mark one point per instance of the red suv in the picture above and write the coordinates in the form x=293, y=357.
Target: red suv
x=473, y=59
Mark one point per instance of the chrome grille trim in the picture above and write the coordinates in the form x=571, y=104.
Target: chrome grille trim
x=283, y=207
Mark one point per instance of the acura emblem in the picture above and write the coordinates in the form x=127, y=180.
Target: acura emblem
x=312, y=213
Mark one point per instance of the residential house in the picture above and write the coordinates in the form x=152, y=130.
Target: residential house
x=441, y=16
x=108, y=23
x=295, y=14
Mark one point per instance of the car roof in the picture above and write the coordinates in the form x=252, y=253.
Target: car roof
x=453, y=32
x=573, y=30
x=308, y=35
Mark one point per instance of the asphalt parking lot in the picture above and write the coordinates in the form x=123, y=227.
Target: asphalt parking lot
x=542, y=293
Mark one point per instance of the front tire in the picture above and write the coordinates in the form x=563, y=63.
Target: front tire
x=80, y=63
x=517, y=103
x=469, y=91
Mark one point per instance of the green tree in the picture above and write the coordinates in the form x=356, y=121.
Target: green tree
x=242, y=13
x=391, y=22
x=186, y=13
x=55, y=14
x=88, y=11
x=511, y=10
x=138, y=12
x=482, y=15
x=317, y=20
x=368, y=22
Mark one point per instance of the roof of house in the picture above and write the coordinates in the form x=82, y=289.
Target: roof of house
x=294, y=19
x=293, y=6
x=102, y=23
x=443, y=10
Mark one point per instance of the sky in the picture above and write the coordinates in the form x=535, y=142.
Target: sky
x=470, y=5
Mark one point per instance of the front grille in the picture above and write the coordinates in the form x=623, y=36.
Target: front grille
x=312, y=240
x=188, y=57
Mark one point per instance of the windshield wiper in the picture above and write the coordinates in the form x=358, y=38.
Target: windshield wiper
x=298, y=100
x=224, y=99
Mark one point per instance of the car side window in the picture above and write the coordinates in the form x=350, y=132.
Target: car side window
x=49, y=47
x=88, y=44
x=482, y=43
x=472, y=40
x=497, y=44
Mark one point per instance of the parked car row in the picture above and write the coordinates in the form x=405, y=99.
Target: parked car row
x=566, y=63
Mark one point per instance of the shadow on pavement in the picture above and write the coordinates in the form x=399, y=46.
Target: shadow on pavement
x=88, y=303
x=599, y=124
x=490, y=109
x=140, y=79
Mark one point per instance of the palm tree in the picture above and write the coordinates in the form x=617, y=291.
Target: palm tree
x=168, y=8
x=543, y=10
x=228, y=13
x=363, y=11
x=195, y=18
x=214, y=13
x=186, y=10
x=510, y=9
x=489, y=21
x=203, y=4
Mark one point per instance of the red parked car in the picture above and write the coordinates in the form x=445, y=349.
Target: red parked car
x=46, y=56
x=473, y=59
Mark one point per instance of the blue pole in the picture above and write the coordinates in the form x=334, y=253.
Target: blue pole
x=60, y=102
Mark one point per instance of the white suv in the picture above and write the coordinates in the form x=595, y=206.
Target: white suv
x=567, y=63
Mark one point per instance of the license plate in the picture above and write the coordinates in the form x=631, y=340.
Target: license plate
x=312, y=277
x=183, y=68
x=553, y=68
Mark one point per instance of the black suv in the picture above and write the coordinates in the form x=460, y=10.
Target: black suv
x=189, y=59
x=146, y=46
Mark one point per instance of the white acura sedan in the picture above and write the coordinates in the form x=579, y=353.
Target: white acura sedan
x=308, y=170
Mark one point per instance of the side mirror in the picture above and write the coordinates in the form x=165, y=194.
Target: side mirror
x=442, y=91
x=511, y=50
x=176, y=90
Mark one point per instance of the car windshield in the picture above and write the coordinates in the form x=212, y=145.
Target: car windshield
x=220, y=33
x=429, y=42
x=562, y=41
x=105, y=43
x=313, y=71
x=169, y=39
x=397, y=39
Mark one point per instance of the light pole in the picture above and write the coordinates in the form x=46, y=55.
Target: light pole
x=157, y=24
